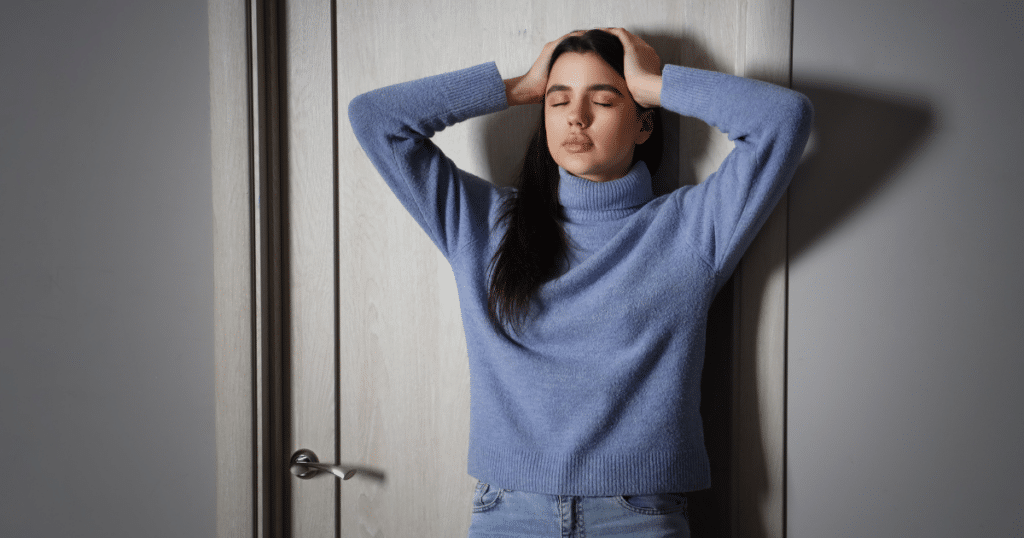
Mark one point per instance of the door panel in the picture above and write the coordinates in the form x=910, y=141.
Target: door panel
x=379, y=376
x=308, y=188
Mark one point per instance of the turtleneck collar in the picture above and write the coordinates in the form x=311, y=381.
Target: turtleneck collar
x=590, y=200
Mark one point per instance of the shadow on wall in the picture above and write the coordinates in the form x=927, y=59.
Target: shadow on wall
x=862, y=138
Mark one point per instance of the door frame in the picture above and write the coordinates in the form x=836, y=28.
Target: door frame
x=249, y=295
x=249, y=291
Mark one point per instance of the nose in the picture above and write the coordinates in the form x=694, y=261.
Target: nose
x=578, y=114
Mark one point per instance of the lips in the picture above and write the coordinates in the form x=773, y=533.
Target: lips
x=577, y=143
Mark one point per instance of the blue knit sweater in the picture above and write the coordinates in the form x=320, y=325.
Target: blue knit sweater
x=600, y=393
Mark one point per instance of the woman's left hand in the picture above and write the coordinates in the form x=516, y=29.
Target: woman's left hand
x=642, y=68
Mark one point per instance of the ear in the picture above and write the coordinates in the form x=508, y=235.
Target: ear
x=646, y=119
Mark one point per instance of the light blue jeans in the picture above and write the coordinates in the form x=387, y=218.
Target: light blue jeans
x=518, y=514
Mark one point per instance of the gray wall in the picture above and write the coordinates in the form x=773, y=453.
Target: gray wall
x=106, y=274
x=906, y=324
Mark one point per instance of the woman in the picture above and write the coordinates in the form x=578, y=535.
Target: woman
x=584, y=299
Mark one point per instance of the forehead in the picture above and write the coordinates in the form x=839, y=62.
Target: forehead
x=579, y=70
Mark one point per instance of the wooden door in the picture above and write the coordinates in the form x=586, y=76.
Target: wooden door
x=373, y=371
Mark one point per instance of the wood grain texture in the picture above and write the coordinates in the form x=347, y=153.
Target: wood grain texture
x=233, y=299
x=309, y=153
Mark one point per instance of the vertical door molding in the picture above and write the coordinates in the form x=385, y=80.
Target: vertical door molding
x=759, y=395
x=249, y=265
x=308, y=126
x=234, y=327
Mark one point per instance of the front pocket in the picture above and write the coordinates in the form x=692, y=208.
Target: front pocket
x=654, y=505
x=485, y=497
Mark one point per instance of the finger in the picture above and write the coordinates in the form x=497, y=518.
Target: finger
x=630, y=42
x=627, y=39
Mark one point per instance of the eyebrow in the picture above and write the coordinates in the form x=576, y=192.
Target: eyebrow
x=592, y=87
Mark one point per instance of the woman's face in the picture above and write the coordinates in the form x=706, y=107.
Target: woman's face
x=590, y=118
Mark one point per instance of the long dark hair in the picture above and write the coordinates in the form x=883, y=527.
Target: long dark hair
x=535, y=246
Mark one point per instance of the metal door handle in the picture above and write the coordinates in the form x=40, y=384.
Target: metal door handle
x=305, y=465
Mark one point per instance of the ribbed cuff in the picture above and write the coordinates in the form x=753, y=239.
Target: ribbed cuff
x=474, y=91
x=688, y=91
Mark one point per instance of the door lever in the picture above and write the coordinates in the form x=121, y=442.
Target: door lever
x=306, y=465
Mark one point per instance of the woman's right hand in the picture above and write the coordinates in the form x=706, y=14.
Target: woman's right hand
x=529, y=88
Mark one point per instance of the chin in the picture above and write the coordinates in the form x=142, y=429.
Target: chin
x=580, y=172
x=577, y=166
x=588, y=171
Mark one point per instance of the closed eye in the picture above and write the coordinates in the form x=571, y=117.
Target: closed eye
x=598, y=103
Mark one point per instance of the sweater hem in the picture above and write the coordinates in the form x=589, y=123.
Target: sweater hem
x=591, y=475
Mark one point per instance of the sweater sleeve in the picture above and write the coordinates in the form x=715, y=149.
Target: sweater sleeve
x=769, y=126
x=394, y=125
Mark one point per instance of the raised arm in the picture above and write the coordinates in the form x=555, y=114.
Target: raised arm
x=394, y=125
x=768, y=124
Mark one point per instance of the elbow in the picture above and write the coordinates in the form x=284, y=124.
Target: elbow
x=802, y=112
x=807, y=112
x=797, y=117
x=798, y=110
x=360, y=113
x=368, y=118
